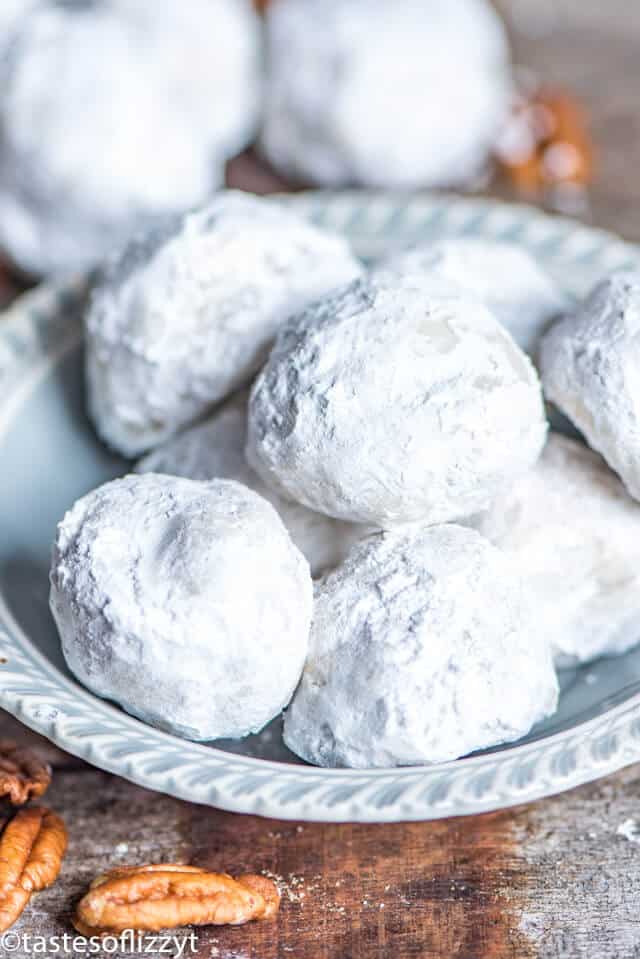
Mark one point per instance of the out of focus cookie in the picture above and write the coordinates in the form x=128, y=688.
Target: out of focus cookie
x=112, y=113
x=369, y=92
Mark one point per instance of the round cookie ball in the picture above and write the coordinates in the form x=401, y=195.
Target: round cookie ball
x=394, y=401
x=397, y=94
x=590, y=368
x=409, y=663
x=504, y=276
x=184, y=602
x=573, y=535
x=214, y=449
x=186, y=314
x=10, y=12
x=112, y=113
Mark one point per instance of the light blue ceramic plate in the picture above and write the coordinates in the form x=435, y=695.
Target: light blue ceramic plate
x=49, y=456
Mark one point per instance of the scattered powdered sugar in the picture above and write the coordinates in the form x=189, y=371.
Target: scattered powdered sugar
x=590, y=362
x=384, y=94
x=174, y=92
x=293, y=887
x=215, y=449
x=186, y=313
x=300, y=891
x=408, y=663
x=184, y=602
x=573, y=534
x=504, y=276
x=630, y=830
x=398, y=399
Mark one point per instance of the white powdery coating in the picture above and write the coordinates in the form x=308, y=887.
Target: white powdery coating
x=10, y=13
x=186, y=314
x=504, y=276
x=573, y=535
x=409, y=662
x=394, y=401
x=590, y=368
x=215, y=449
x=114, y=113
x=184, y=602
x=370, y=92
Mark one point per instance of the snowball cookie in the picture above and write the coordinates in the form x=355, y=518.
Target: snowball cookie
x=573, y=534
x=215, y=449
x=186, y=314
x=590, y=366
x=185, y=602
x=370, y=92
x=10, y=12
x=395, y=400
x=114, y=112
x=504, y=276
x=410, y=663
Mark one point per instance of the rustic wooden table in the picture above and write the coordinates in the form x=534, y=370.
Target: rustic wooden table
x=560, y=878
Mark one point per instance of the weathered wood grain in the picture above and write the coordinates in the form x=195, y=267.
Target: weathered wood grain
x=554, y=879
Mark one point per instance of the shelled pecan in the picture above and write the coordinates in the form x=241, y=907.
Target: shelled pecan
x=166, y=895
x=22, y=775
x=546, y=143
x=32, y=847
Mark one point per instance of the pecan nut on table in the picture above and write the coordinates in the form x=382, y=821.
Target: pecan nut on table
x=32, y=847
x=167, y=895
x=147, y=897
x=23, y=776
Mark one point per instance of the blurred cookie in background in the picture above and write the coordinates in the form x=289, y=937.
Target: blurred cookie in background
x=10, y=10
x=113, y=112
x=374, y=93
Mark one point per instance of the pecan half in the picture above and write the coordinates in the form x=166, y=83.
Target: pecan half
x=546, y=143
x=32, y=847
x=166, y=895
x=22, y=775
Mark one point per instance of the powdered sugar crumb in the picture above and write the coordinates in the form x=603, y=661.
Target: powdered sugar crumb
x=630, y=830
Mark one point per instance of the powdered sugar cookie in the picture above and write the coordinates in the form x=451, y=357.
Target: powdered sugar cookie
x=590, y=367
x=184, y=602
x=395, y=401
x=185, y=314
x=573, y=534
x=395, y=94
x=114, y=113
x=502, y=275
x=410, y=663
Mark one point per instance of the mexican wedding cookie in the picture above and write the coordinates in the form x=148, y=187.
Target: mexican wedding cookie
x=215, y=449
x=394, y=401
x=590, y=366
x=504, y=276
x=573, y=534
x=410, y=663
x=112, y=113
x=370, y=92
x=184, y=602
x=186, y=314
